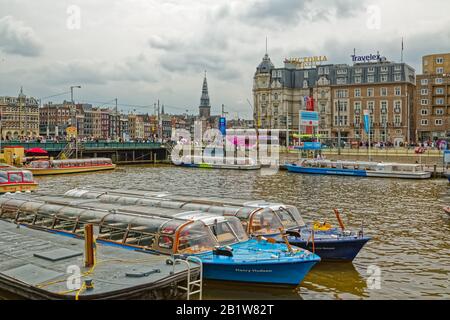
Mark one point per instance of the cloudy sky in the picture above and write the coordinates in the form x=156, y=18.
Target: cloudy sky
x=144, y=50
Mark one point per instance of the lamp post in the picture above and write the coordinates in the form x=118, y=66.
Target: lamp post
x=74, y=114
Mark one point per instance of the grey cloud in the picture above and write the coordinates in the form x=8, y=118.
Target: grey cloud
x=279, y=13
x=17, y=38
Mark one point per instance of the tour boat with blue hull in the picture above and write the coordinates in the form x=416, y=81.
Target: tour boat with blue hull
x=330, y=245
x=273, y=265
x=259, y=218
x=219, y=241
x=359, y=169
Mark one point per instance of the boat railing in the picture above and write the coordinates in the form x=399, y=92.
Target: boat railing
x=193, y=287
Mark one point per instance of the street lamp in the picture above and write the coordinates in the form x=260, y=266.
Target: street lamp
x=74, y=115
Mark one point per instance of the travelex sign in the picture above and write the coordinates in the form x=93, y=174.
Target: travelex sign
x=366, y=58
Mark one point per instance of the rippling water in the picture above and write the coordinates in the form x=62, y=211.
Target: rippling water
x=411, y=234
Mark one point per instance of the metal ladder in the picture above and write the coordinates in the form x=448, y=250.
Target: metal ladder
x=192, y=287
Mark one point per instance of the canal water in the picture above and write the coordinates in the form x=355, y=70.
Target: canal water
x=409, y=252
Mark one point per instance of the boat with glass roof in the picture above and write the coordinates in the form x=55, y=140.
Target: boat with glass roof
x=52, y=167
x=230, y=163
x=14, y=179
x=259, y=218
x=359, y=169
x=219, y=241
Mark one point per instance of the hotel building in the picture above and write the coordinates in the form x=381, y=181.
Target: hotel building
x=341, y=93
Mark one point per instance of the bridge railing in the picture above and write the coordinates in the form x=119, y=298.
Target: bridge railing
x=58, y=146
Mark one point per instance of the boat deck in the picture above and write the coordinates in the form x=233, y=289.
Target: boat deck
x=34, y=264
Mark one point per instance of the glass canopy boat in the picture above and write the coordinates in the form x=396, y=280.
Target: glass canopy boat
x=13, y=179
x=219, y=241
x=359, y=169
x=51, y=167
x=259, y=218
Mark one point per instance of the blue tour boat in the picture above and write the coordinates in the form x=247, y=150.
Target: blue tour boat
x=259, y=218
x=219, y=241
x=359, y=169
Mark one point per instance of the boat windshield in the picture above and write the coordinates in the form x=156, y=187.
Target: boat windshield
x=195, y=238
x=265, y=222
x=228, y=232
x=290, y=217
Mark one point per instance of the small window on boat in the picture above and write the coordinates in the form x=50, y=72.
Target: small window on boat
x=170, y=227
x=25, y=217
x=195, y=238
x=27, y=176
x=15, y=177
x=140, y=239
x=165, y=242
x=265, y=222
x=44, y=220
x=65, y=224
x=3, y=177
x=223, y=233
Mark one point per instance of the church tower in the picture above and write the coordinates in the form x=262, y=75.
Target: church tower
x=205, y=107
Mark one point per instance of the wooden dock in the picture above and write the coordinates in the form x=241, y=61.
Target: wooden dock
x=39, y=265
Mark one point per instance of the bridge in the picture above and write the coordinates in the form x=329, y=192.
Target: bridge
x=119, y=152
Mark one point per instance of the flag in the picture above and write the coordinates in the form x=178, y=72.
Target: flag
x=367, y=121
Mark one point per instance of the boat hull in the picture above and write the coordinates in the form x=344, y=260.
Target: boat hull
x=333, y=250
x=284, y=274
x=221, y=166
x=16, y=187
x=326, y=171
x=55, y=171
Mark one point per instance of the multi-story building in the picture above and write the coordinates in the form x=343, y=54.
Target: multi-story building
x=19, y=117
x=432, y=102
x=341, y=92
x=105, y=123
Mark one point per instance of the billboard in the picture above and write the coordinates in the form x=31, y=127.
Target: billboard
x=309, y=118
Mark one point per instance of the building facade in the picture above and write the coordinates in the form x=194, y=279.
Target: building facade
x=340, y=93
x=432, y=103
x=19, y=117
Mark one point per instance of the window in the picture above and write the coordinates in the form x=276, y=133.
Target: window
x=358, y=79
x=357, y=107
x=384, y=78
x=398, y=91
x=358, y=70
x=341, y=80
x=371, y=69
x=439, y=81
x=383, y=92
x=439, y=90
x=370, y=79
x=440, y=70
x=342, y=71
x=357, y=93
x=398, y=77
x=370, y=92
x=398, y=67
x=384, y=107
x=424, y=82
x=371, y=106
x=438, y=122
x=306, y=74
x=398, y=106
x=384, y=69
x=424, y=122
x=424, y=112
x=440, y=60
x=341, y=93
x=440, y=112
x=424, y=92
x=439, y=101
x=424, y=102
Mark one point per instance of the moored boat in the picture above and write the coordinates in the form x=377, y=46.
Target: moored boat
x=359, y=169
x=221, y=163
x=52, y=167
x=219, y=241
x=259, y=218
x=14, y=180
